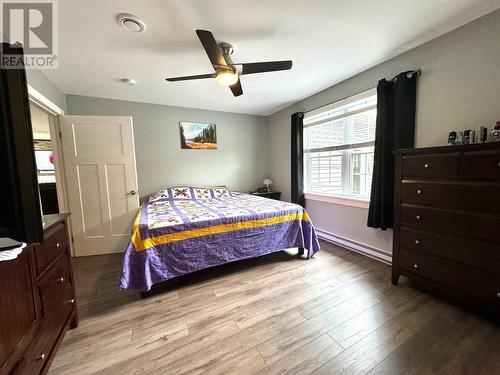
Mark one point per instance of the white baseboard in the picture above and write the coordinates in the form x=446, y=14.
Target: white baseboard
x=358, y=247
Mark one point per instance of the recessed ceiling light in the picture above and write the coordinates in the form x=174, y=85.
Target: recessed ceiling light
x=129, y=81
x=131, y=23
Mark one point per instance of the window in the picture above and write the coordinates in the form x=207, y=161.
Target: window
x=338, y=147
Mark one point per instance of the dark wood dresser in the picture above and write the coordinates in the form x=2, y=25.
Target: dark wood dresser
x=447, y=221
x=37, y=301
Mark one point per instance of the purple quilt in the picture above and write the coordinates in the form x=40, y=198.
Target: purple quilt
x=184, y=229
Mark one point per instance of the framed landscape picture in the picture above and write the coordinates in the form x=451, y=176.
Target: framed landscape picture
x=198, y=135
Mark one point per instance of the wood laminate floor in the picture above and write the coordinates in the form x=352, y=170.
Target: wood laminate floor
x=336, y=313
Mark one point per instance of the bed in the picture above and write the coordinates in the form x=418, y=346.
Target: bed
x=181, y=230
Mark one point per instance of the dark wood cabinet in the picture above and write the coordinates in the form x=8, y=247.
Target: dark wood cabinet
x=447, y=221
x=37, y=300
x=18, y=311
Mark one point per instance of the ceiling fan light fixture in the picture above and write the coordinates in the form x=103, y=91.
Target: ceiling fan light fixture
x=226, y=72
x=226, y=77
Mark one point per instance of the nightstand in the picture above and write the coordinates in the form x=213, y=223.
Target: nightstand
x=272, y=195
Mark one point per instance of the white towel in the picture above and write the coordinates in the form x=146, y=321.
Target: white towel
x=12, y=253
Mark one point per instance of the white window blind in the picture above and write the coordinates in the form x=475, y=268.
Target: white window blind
x=338, y=147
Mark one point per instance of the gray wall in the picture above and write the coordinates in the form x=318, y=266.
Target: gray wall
x=459, y=89
x=241, y=161
x=45, y=86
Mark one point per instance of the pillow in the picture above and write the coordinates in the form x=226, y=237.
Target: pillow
x=191, y=192
x=209, y=186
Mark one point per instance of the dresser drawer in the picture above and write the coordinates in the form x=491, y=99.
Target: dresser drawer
x=480, y=166
x=473, y=226
x=56, y=295
x=56, y=290
x=53, y=244
x=480, y=285
x=431, y=166
x=29, y=366
x=38, y=353
x=476, y=254
x=470, y=197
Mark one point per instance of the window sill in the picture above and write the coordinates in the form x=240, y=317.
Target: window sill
x=335, y=199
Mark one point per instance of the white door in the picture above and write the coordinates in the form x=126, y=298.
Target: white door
x=101, y=176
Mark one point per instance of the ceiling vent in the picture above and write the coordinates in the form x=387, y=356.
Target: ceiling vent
x=131, y=23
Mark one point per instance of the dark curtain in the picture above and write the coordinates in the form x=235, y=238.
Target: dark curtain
x=298, y=158
x=396, y=102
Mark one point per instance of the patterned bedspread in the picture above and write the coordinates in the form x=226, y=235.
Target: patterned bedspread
x=184, y=229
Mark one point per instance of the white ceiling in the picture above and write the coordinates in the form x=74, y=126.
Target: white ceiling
x=328, y=40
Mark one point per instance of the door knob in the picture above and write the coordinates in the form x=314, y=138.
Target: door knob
x=132, y=192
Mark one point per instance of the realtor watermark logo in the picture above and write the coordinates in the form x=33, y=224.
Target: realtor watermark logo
x=33, y=24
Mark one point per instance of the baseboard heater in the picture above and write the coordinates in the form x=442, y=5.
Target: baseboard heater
x=358, y=247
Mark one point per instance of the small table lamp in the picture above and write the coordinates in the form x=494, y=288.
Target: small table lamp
x=267, y=181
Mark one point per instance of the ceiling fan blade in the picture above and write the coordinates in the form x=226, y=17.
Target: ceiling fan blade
x=236, y=88
x=187, y=78
x=211, y=48
x=262, y=67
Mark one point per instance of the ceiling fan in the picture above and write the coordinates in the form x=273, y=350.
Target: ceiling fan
x=226, y=72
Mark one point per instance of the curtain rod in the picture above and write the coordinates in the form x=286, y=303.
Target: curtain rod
x=338, y=100
x=410, y=73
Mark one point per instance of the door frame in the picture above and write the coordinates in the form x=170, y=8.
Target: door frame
x=55, y=112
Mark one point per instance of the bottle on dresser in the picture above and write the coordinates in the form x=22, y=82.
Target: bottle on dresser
x=495, y=133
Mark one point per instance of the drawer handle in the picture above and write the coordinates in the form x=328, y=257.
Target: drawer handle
x=71, y=301
x=498, y=164
x=415, y=265
x=417, y=217
x=419, y=191
x=417, y=242
x=57, y=245
x=498, y=295
x=60, y=280
x=426, y=165
x=41, y=357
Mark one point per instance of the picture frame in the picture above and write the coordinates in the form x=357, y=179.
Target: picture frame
x=198, y=135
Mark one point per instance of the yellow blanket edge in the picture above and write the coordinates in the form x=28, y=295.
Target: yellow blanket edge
x=140, y=244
